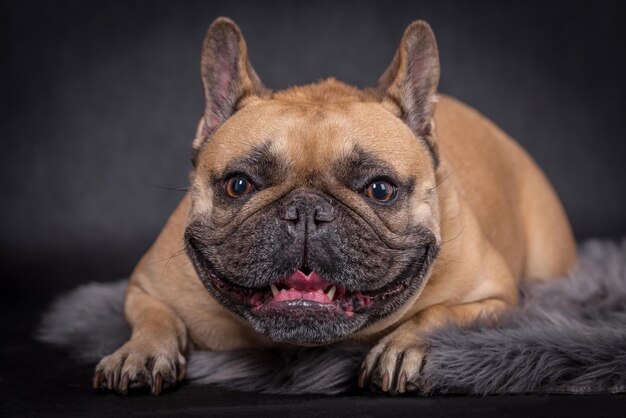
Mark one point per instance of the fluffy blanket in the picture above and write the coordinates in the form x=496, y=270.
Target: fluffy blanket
x=567, y=336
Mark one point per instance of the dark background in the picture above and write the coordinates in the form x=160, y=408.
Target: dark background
x=100, y=99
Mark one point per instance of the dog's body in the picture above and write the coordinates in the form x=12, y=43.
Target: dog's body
x=470, y=217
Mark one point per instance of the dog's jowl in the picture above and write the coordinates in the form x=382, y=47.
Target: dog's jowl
x=324, y=213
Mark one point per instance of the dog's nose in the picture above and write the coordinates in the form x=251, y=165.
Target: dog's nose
x=307, y=212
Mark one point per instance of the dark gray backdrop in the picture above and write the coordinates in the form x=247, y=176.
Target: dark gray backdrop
x=100, y=101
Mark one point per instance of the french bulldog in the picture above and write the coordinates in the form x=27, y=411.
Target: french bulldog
x=325, y=213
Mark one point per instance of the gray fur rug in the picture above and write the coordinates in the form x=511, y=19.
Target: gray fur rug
x=567, y=336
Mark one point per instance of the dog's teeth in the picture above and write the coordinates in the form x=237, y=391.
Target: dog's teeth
x=274, y=289
x=320, y=291
x=331, y=292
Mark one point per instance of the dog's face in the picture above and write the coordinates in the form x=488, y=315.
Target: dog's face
x=314, y=209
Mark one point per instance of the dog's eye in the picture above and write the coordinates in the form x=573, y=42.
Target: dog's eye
x=380, y=191
x=238, y=186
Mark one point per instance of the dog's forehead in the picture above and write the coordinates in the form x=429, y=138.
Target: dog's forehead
x=313, y=138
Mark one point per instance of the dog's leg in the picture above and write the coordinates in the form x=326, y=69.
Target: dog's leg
x=154, y=354
x=395, y=363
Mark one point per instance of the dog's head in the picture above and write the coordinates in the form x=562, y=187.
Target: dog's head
x=314, y=210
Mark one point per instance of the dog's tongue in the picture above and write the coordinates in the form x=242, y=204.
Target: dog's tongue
x=311, y=281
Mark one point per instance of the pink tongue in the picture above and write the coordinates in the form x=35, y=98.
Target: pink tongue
x=301, y=281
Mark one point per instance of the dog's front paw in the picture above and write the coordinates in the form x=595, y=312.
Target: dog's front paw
x=138, y=364
x=394, y=364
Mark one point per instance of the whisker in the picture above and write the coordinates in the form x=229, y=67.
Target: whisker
x=454, y=170
x=452, y=239
x=448, y=260
x=456, y=236
x=184, y=265
x=441, y=269
x=174, y=189
x=175, y=254
x=169, y=259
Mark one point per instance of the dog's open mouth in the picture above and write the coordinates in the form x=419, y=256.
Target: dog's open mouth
x=308, y=290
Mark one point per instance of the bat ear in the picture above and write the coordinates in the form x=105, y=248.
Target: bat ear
x=228, y=78
x=410, y=82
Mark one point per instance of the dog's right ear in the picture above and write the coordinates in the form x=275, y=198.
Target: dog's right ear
x=228, y=78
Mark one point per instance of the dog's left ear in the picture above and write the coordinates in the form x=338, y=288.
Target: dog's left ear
x=409, y=84
x=228, y=78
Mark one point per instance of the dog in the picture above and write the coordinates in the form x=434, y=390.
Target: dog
x=326, y=213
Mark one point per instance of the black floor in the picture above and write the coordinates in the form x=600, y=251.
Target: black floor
x=36, y=380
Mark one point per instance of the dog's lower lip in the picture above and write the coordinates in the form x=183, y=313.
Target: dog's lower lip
x=297, y=304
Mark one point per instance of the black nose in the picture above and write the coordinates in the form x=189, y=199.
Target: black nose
x=306, y=213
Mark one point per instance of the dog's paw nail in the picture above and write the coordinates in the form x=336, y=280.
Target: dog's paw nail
x=124, y=384
x=158, y=384
x=95, y=382
x=385, y=382
x=411, y=387
x=402, y=382
x=362, y=377
x=182, y=370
